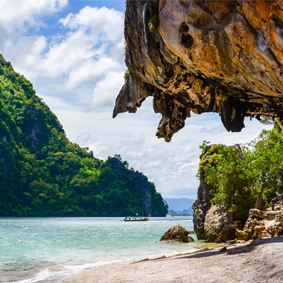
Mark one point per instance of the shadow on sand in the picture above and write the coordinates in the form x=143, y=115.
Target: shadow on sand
x=245, y=248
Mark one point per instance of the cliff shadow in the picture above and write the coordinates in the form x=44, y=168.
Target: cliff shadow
x=245, y=248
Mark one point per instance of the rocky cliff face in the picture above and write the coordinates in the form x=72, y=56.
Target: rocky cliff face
x=217, y=225
x=204, y=56
x=141, y=182
x=201, y=206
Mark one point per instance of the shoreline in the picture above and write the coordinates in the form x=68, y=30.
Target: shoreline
x=61, y=275
x=259, y=260
x=47, y=276
x=58, y=273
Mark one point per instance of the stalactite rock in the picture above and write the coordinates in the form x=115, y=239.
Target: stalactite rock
x=204, y=56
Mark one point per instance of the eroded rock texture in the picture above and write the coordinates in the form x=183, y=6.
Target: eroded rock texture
x=262, y=224
x=218, y=225
x=204, y=56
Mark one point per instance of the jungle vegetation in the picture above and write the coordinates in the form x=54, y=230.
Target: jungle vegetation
x=42, y=173
x=235, y=182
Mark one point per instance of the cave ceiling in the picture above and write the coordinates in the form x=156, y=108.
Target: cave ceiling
x=224, y=57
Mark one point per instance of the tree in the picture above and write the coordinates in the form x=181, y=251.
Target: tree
x=231, y=179
x=265, y=153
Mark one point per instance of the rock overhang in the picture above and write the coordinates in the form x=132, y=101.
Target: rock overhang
x=224, y=57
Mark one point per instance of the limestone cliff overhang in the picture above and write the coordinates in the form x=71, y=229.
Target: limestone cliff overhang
x=203, y=56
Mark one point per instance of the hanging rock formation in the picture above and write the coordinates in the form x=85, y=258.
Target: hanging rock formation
x=204, y=56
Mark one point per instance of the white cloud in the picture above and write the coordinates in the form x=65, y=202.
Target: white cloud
x=104, y=23
x=85, y=52
x=105, y=93
x=15, y=14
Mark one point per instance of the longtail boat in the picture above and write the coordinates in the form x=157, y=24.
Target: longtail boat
x=136, y=218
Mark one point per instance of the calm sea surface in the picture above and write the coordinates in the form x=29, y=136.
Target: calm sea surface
x=49, y=249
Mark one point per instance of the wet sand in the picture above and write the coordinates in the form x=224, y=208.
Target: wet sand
x=258, y=261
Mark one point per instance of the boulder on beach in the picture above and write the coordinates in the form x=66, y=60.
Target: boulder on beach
x=177, y=233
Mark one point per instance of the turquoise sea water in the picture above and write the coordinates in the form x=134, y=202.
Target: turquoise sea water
x=49, y=249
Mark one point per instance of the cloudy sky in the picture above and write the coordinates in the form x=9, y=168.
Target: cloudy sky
x=72, y=52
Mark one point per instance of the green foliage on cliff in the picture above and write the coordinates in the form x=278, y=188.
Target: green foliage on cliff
x=209, y=154
x=234, y=181
x=265, y=153
x=232, y=178
x=153, y=23
x=42, y=173
x=126, y=75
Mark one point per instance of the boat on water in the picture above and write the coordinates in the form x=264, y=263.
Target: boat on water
x=136, y=218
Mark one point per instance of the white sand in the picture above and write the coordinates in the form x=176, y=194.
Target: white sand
x=259, y=261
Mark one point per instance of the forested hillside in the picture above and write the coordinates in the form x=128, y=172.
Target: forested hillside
x=42, y=173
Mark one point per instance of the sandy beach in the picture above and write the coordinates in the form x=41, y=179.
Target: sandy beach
x=258, y=261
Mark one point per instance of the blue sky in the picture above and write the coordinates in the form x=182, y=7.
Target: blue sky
x=118, y=5
x=73, y=6
x=72, y=52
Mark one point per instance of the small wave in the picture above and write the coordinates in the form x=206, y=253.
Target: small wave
x=39, y=276
x=123, y=258
x=170, y=221
x=56, y=273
